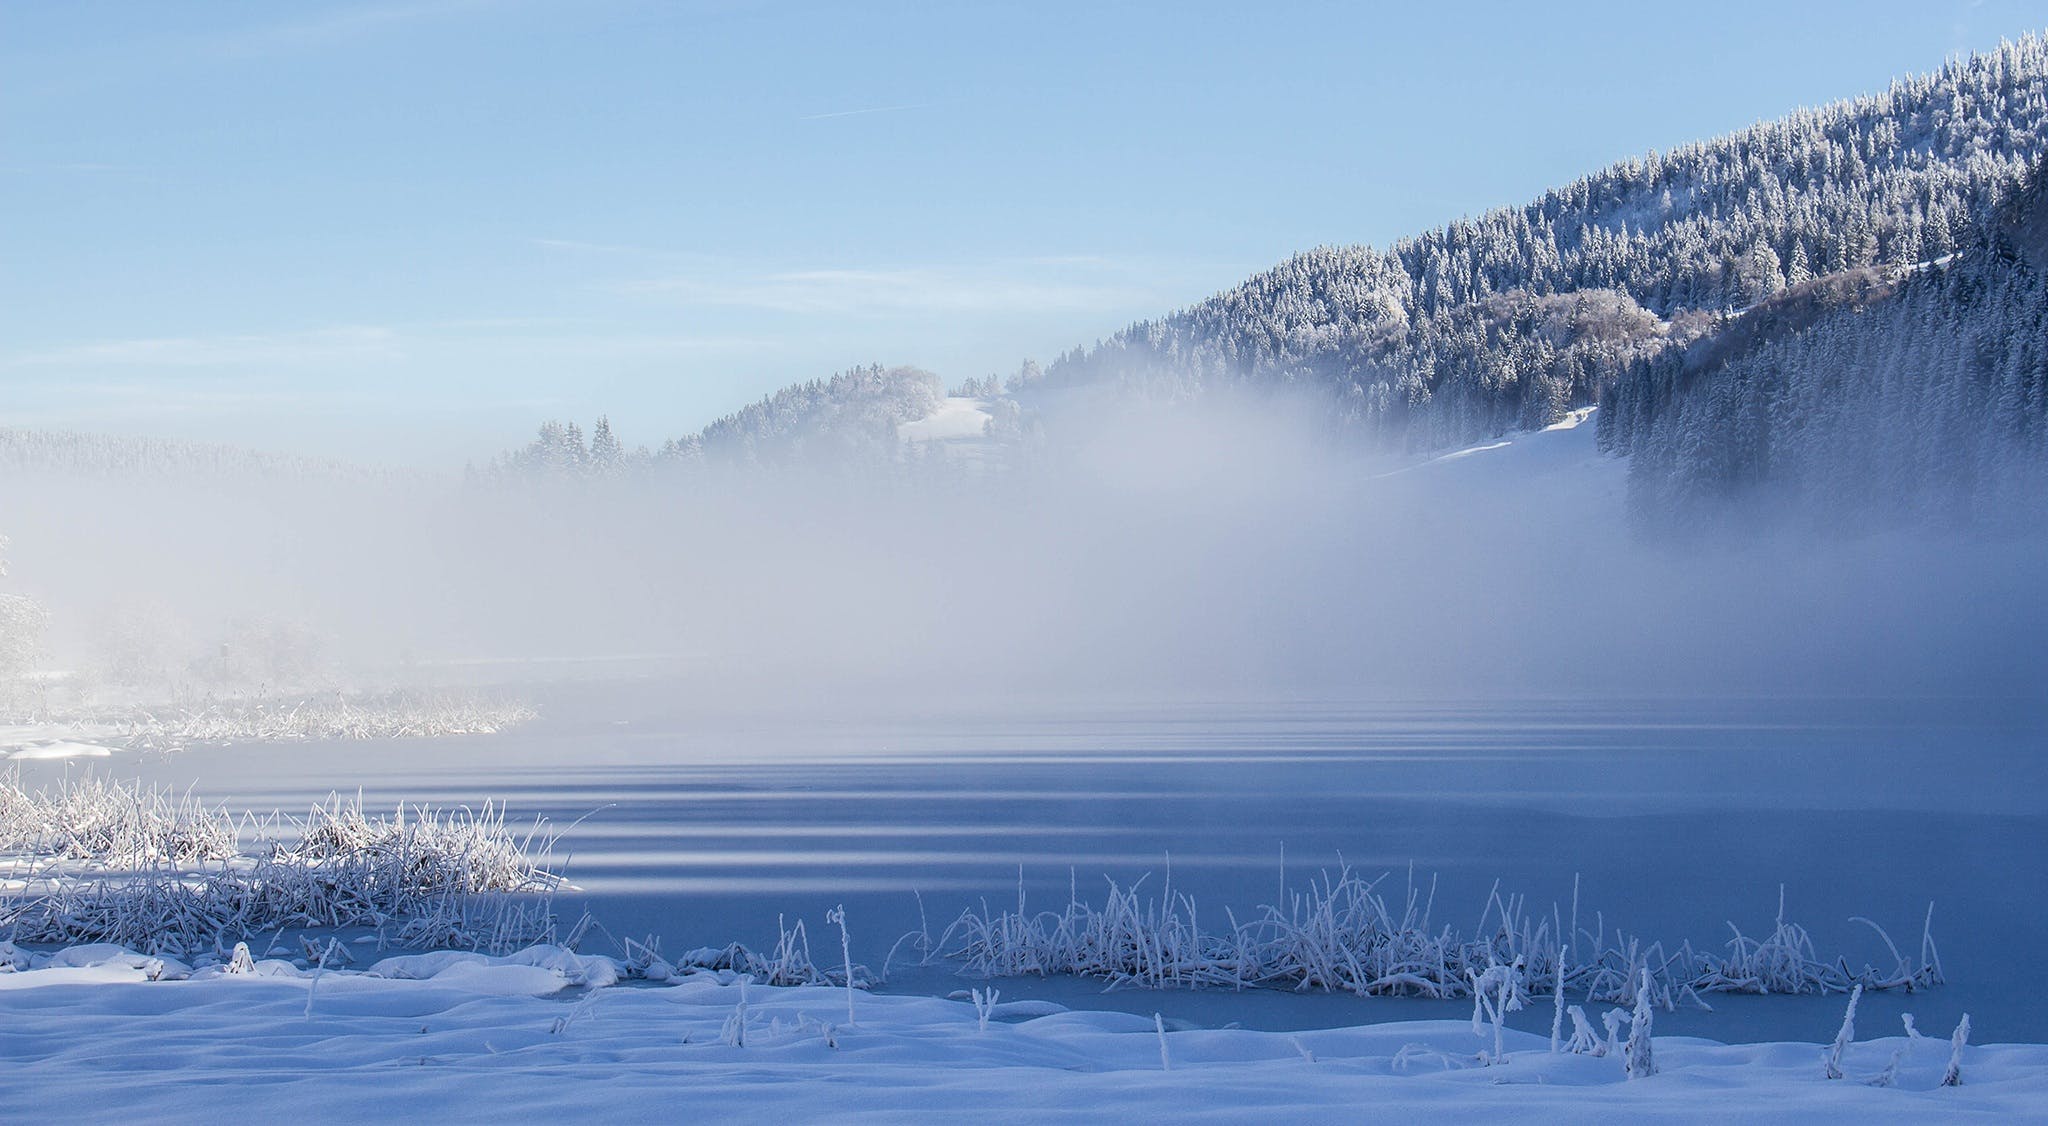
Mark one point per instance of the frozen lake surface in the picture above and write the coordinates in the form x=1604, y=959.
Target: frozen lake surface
x=1678, y=816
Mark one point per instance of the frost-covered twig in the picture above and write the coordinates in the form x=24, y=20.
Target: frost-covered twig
x=1953, y=1075
x=838, y=916
x=734, y=1034
x=984, y=1007
x=1831, y=1060
x=1495, y=994
x=1639, y=1061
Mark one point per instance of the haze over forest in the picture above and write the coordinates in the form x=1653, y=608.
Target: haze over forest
x=1817, y=346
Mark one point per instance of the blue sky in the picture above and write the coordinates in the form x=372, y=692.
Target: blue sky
x=409, y=231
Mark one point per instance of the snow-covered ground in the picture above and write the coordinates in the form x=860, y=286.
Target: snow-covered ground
x=1560, y=464
x=956, y=419
x=461, y=1037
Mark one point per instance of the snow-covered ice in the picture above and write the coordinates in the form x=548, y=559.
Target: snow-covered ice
x=59, y=749
x=57, y=740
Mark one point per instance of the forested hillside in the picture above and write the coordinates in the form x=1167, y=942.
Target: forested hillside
x=1820, y=301
x=1861, y=399
x=1504, y=321
x=850, y=417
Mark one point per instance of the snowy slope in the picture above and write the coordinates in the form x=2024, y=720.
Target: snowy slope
x=1564, y=447
x=1555, y=478
x=956, y=419
x=502, y=1039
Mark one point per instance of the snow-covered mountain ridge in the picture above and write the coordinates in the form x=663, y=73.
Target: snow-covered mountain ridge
x=1603, y=290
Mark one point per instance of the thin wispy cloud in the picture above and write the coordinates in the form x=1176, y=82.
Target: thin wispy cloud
x=499, y=324
x=618, y=250
x=234, y=350
x=364, y=348
x=1005, y=287
x=579, y=246
x=72, y=168
x=1094, y=260
x=158, y=397
x=575, y=347
x=862, y=112
x=63, y=73
x=338, y=26
x=510, y=369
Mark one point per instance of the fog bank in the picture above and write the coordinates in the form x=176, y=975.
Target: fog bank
x=1216, y=550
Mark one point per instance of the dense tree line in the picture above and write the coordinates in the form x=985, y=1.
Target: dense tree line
x=850, y=418
x=1858, y=401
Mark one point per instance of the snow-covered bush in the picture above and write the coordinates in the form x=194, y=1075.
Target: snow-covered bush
x=789, y=963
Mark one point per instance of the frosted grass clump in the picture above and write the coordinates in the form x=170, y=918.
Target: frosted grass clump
x=396, y=715
x=112, y=823
x=789, y=963
x=424, y=850
x=1343, y=934
x=107, y=862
